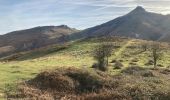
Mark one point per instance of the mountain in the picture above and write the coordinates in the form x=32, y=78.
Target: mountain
x=33, y=38
x=137, y=24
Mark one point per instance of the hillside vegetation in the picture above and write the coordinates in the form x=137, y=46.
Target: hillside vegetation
x=133, y=83
x=26, y=65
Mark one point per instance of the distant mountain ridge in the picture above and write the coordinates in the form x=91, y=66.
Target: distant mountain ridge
x=137, y=24
x=33, y=38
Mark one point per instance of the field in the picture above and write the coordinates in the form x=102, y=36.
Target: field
x=77, y=54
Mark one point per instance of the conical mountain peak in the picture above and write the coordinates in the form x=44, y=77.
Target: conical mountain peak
x=138, y=9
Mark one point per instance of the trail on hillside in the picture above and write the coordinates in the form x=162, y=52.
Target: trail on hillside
x=122, y=49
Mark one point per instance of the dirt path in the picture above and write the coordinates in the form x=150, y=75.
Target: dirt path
x=122, y=49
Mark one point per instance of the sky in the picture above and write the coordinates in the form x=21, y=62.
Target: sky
x=80, y=14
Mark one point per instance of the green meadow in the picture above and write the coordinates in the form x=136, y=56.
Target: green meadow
x=77, y=54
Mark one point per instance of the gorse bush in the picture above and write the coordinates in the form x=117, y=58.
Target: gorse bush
x=134, y=83
x=118, y=65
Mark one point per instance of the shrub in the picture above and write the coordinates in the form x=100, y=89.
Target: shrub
x=166, y=71
x=118, y=65
x=53, y=81
x=148, y=74
x=135, y=60
x=100, y=66
x=113, y=61
x=95, y=65
x=160, y=65
x=133, y=70
x=120, y=60
x=134, y=83
x=168, y=67
x=101, y=53
x=144, y=47
x=132, y=63
x=150, y=62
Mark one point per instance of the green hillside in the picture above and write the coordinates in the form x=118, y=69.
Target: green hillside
x=77, y=54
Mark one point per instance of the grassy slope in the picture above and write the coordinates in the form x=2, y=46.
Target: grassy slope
x=77, y=55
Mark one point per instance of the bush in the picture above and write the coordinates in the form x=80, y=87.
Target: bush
x=135, y=60
x=160, y=65
x=148, y=74
x=70, y=80
x=166, y=71
x=118, y=65
x=134, y=83
x=113, y=61
x=132, y=63
x=168, y=67
x=103, y=66
x=120, y=60
x=150, y=62
x=95, y=65
x=53, y=81
x=133, y=70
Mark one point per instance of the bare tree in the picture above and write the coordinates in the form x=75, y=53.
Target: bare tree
x=144, y=46
x=156, y=53
x=108, y=49
x=102, y=53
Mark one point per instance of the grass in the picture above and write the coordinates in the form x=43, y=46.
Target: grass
x=77, y=55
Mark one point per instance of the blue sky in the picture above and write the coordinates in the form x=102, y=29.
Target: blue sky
x=80, y=14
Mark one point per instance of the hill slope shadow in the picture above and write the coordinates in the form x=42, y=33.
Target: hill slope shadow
x=34, y=54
